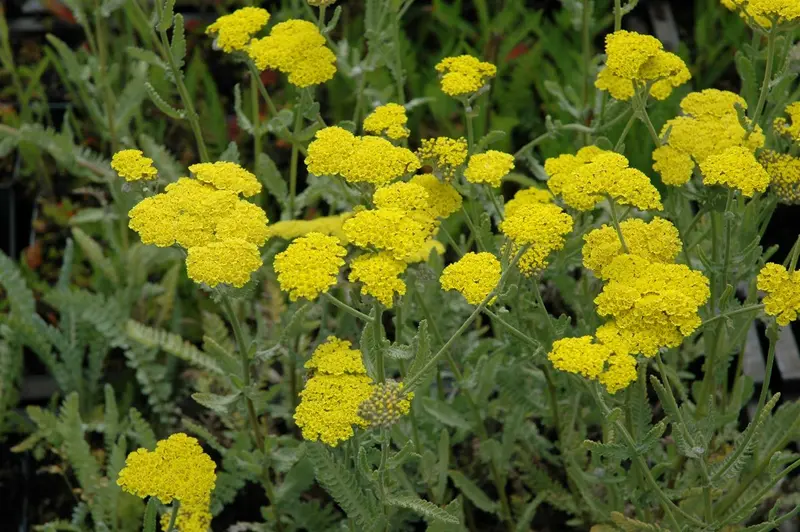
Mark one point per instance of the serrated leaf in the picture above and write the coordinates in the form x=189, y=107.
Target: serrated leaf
x=426, y=509
x=489, y=139
x=172, y=344
x=399, y=352
x=167, y=14
x=162, y=105
x=632, y=525
x=168, y=166
x=94, y=253
x=17, y=292
x=221, y=404
x=231, y=153
x=269, y=175
x=455, y=508
x=614, y=415
x=401, y=456
x=150, y=515
x=178, y=45
x=226, y=360
x=608, y=450
x=334, y=19
x=281, y=121
x=422, y=353
x=148, y=56
x=473, y=492
x=444, y=413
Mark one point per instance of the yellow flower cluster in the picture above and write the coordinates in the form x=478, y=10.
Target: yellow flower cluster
x=634, y=59
x=378, y=273
x=177, y=469
x=296, y=48
x=475, y=275
x=709, y=126
x=783, y=292
x=595, y=361
x=585, y=179
x=336, y=151
x=329, y=401
x=464, y=74
x=763, y=12
x=490, y=168
x=221, y=231
x=789, y=128
x=424, y=252
x=652, y=305
x=391, y=230
x=446, y=154
x=309, y=266
x=443, y=199
x=527, y=196
x=327, y=225
x=234, y=31
x=132, y=165
x=389, y=120
x=657, y=241
x=735, y=168
x=784, y=175
x=404, y=196
x=386, y=405
x=540, y=225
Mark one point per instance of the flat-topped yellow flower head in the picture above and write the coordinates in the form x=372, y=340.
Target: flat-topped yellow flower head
x=735, y=168
x=789, y=128
x=378, y=274
x=235, y=30
x=490, y=167
x=389, y=120
x=445, y=154
x=464, y=75
x=224, y=175
x=132, y=165
x=309, y=266
x=393, y=230
x=475, y=275
x=784, y=175
x=225, y=262
x=296, y=48
x=782, y=289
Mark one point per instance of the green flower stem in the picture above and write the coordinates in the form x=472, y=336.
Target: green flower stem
x=709, y=509
x=173, y=516
x=539, y=301
x=298, y=121
x=666, y=504
x=377, y=332
x=470, y=133
x=728, y=238
x=347, y=308
x=615, y=221
x=415, y=379
x=256, y=119
x=108, y=93
x=762, y=98
x=617, y=15
x=495, y=204
x=724, y=315
x=473, y=229
x=640, y=104
x=625, y=132
x=753, y=502
x=513, y=330
x=586, y=52
x=251, y=411
x=284, y=132
x=321, y=19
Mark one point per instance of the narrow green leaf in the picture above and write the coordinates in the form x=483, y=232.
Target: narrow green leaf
x=444, y=413
x=178, y=44
x=221, y=404
x=167, y=14
x=163, y=106
x=241, y=117
x=94, y=253
x=426, y=509
x=473, y=492
x=269, y=175
x=150, y=514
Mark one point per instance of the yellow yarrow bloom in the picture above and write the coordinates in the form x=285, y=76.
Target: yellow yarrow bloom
x=490, y=167
x=475, y=275
x=224, y=175
x=790, y=128
x=177, y=469
x=327, y=225
x=712, y=103
x=464, y=75
x=606, y=174
x=392, y=230
x=657, y=241
x=423, y=253
x=296, y=48
x=783, y=292
x=377, y=161
x=444, y=153
x=784, y=175
x=655, y=303
x=542, y=226
x=378, y=275
x=580, y=356
x=443, y=198
x=635, y=59
x=132, y=165
x=329, y=401
x=764, y=11
x=735, y=168
x=675, y=166
x=404, y=196
x=246, y=221
x=309, y=266
x=229, y=261
x=620, y=372
x=527, y=196
x=386, y=405
x=329, y=151
x=389, y=120
x=559, y=169
x=234, y=31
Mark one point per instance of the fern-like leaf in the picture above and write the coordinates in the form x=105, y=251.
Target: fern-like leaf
x=172, y=344
x=426, y=509
x=142, y=430
x=19, y=295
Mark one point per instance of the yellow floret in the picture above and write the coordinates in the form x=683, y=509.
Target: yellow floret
x=712, y=103
x=628, y=52
x=234, y=31
x=527, y=196
x=392, y=230
x=229, y=262
x=490, y=167
x=246, y=221
x=132, y=165
x=423, y=253
x=309, y=266
x=446, y=154
x=676, y=167
x=443, y=198
x=389, y=120
x=735, y=168
x=296, y=48
x=378, y=273
x=619, y=373
x=464, y=74
x=619, y=88
x=789, y=128
x=408, y=197
x=782, y=289
x=377, y=161
x=327, y=225
x=657, y=241
x=542, y=226
x=580, y=356
x=328, y=407
x=177, y=469
x=475, y=275
x=335, y=357
x=225, y=175
x=329, y=151
x=784, y=175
